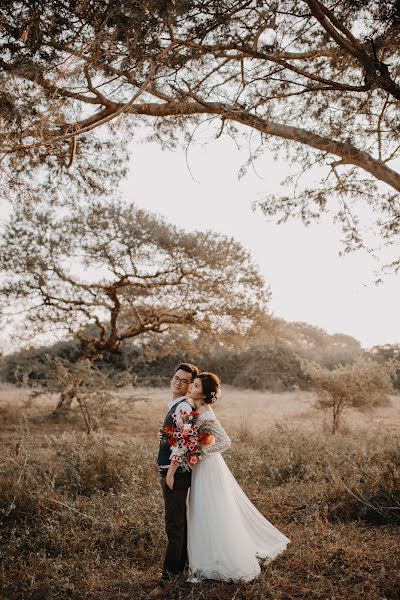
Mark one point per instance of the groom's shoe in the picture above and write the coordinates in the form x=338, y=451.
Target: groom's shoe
x=161, y=590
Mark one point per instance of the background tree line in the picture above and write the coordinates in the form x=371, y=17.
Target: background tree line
x=269, y=359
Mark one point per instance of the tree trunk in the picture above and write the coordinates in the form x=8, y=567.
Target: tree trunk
x=336, y=416
x=66, y=397
x=337, y=409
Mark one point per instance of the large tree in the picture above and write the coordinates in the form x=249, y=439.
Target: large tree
x=106, y=272
x=316, y=79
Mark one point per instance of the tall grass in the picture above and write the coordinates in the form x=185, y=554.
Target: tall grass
x=82, y=516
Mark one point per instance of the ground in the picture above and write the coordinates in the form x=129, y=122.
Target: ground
x=82, y=515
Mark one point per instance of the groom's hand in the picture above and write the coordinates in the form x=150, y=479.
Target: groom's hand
x=159, y=436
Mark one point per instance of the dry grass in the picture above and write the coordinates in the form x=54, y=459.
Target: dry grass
x=81, y=517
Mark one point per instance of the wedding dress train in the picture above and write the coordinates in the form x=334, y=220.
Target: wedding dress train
x=226, y=533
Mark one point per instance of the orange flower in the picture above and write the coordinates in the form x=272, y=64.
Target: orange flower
x=208, y=440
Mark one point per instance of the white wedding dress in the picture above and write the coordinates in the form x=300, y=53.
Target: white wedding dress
x=226, y=533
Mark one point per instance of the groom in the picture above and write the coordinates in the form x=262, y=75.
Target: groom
x=176, y=557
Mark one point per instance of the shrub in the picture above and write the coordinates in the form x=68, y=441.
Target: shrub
x=86, y=465
x=339, y=478
x=363, y=385
x=371, y=491
x=273, y=366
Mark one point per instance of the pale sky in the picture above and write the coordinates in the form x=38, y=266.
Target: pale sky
x=309, y=281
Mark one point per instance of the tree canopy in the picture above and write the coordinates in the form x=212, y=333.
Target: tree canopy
x=107, y=271
x=314, y=79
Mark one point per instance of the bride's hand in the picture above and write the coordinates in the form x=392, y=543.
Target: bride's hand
x=169, y=480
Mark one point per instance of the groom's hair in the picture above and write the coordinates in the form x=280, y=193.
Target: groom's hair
x=189, y=368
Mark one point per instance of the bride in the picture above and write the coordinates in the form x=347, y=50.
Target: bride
x=226, y=533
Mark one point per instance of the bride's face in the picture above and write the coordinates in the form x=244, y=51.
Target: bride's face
x=195, y=391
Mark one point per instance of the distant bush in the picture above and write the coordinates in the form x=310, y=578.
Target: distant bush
x=363, y=385
x=385, y=354
x=33, y=365
x=271, y=366
x=315, y=344
x=269, y=357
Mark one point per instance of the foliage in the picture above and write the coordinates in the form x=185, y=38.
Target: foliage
x=267, y=356
x=93, y=389
x=318, y=83
x=315, y=344
x=363, y=385
x=107, y=272
x=32, y=365
x=270, y=366
x=387, y=353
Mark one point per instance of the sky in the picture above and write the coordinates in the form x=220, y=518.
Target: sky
x=308, y=279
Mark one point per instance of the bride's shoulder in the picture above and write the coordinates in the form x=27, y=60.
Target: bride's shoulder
x=207, y=415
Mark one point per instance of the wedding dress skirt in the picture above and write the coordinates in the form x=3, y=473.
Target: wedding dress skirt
x=226, y=533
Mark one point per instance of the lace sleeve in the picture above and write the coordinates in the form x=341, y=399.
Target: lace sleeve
x=222, y=440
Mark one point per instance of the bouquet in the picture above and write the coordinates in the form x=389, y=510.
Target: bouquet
x=187, y=441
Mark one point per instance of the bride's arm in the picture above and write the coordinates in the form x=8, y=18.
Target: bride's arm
x=222, y=440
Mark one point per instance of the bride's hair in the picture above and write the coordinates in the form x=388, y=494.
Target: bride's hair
x=210, y=384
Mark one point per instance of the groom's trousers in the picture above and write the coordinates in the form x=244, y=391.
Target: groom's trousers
x=176, y=557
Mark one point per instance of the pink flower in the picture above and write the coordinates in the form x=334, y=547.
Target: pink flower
x=193, y=460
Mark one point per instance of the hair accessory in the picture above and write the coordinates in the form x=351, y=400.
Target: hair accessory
x=216, y=395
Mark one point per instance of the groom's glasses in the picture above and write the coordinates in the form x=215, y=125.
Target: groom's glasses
x=180, y=381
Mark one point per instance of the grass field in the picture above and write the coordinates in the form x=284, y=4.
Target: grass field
x=82, y=516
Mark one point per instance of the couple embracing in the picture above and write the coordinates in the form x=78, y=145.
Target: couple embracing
x=214, y=529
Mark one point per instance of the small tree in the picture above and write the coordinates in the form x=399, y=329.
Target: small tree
x=108, y=272
x=362, y=385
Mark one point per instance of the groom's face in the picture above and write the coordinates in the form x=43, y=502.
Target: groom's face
x=180, y=383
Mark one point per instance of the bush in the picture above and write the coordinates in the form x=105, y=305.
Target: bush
x=340, y=478
x=270, y=366
x=371, y=492
x=363, y=385
x=88, y=465
x=32, y=366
